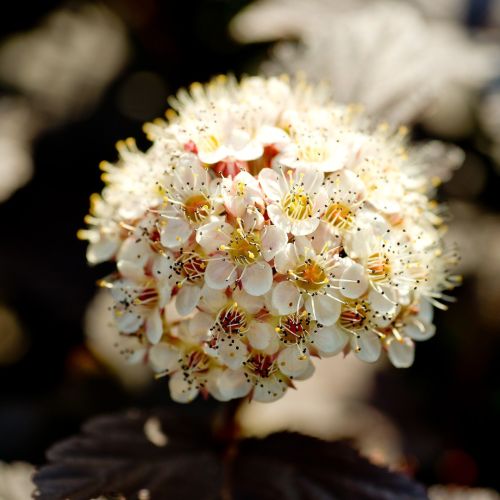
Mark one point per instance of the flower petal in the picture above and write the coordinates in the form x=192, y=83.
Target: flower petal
x=292, y=361
x=189, y=172
x=135, y=250
x=251, y=151
x=367, y=346
x=175, y=232
x=274, y=345
x=232, y=384
x=257, y=278
x=163, y=357
x=324, y=308
x=212, y=300
x=238, y=139
x=426, y=311
x=278, y=218
x=102, y=250
x=181, y=390
x=220, y=274
x=338, y=156
x=401, y=352
x=199, y=327
x=382, y=301
x=418, y=330
x=187, y=299
x=131, y=270
x=164, y=293
x=329, y=340
x=252, y=219
x=307, y=373
x=162, y=266
x=250, y=303
x=260, y=334
x=353, y=282
x=272, y=184
x=154, y=327
x=325, y=234
x=132, y=258
x=274, y=240
x=311, y=179
x=359, y=243
x=304, y=227
x=137, y=356
x=209, y=156
x=269, y=389
x=286, y=259
x=232, y=352
x=285, y=297
x=272, y=135
x=214, y=234
x=129, y=321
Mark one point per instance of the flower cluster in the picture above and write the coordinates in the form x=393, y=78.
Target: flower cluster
x=266, y=226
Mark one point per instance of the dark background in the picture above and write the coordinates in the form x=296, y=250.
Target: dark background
x=447, y=405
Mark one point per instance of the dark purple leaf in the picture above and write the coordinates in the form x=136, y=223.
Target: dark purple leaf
x=115, y=458
x=293, y=466
x=113, y=455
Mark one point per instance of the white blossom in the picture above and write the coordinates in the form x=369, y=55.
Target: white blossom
x=16, y=480
x=60, y=68
x=235, y=271
x=65, y=64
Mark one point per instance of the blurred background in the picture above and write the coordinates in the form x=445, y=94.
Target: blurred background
x=76, y=77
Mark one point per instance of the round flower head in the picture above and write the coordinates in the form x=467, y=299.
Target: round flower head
x=268, y=227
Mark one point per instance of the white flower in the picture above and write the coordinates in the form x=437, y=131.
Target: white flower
x=238, y=126
x=61, y=68
x=415, y=323
x=401, y=351
x=241, y=194
x=357, y=328
x=312, y=281
x=296, y=198
x=315, y=151
x=261, y=335
x=439, y=277
x=123, y=354
x=18, y=126
x=65, y=64
x=301, y=335
x=227, y=321
x=227, y=384
x=389, y=265
x=346, y=192
x=266, y=227
x=189, y=268
x=236, y=143
x=269, y=383
x=139, y=304
x=191, y=378
x=16, y=481
x=104, y=234
x=242, y=255
x=191, y=200
x=453, y=492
